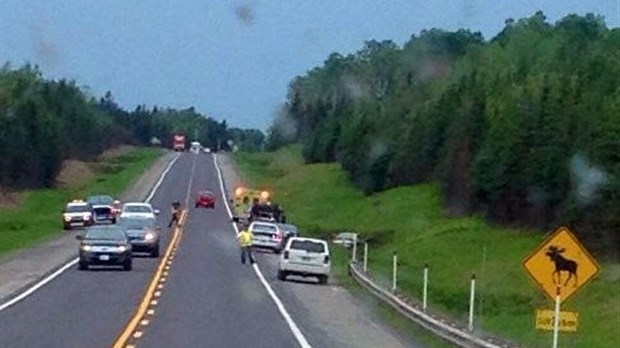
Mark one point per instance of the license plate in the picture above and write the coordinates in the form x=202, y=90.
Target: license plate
x=306, y=258
x=104, y=257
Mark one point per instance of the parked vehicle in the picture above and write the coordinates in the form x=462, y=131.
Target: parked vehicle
x=267, y=235
x=105, y=245
x=105, y=208
x=77, y=213
x=306, y=257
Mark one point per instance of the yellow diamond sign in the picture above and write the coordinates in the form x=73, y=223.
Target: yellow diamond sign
x=561, y=263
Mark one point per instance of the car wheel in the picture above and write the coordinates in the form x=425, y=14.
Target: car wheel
x=128, y=265
x=323, y=279
x=277, y=250
x=155, y=252
x=82, y=266
x=113, y=220
x=197, y=205
x=66, y=227
x=281, y=275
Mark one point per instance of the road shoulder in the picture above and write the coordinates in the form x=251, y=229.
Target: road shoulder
x=332, y=311
x=21, y=269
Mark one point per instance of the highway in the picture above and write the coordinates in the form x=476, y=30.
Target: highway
x=208, y=298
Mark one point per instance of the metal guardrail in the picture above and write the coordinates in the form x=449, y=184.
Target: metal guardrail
x=439, y=327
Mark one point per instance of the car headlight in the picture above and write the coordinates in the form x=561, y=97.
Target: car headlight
x=86, y=217
x=122, y=248
x=67, y=218
x=149, y=236
x=87, y=247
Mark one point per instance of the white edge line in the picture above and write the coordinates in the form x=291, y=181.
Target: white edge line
x=299, y=336
x=68, y=265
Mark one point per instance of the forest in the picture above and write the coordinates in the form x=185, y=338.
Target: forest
x=44, y=122
x=523, y=128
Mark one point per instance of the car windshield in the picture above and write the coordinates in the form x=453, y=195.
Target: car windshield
x=289, y=228
x=106, y=233
x=134, y=224
x=308, y=245
x=100, y=200
x=76, y=208
x=264, y=228
x=137, y=209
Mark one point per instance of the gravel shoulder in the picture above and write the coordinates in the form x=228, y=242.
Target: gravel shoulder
x=21, y=269
x=340, y=318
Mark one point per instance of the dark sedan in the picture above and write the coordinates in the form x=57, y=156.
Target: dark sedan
x=105, y=245
x=143, y=234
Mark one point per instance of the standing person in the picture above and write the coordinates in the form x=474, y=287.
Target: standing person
x=244, y=238
x=176, y=213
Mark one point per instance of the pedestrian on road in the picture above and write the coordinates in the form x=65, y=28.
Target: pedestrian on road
x=244, y=238
x=176, y=213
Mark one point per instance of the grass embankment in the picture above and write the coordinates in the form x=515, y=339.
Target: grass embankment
x=38, y=215
x=409, y=221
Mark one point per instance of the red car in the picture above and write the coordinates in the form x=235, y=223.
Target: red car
x=205, y=199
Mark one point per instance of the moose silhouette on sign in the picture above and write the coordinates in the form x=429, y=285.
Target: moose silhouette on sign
x=561, y=264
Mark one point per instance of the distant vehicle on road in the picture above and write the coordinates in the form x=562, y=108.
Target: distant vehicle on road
x=143, y=234
x=267, y=235
x=306, y=257
x=178, y=142
x=205, y=199
x=144, y=210
x=104, y=207
x=77, y=213
x=206, y=150
x=345, y=239
x=195, y=147
x=105, y=245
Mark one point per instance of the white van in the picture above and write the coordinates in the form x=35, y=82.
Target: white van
x=306, y=257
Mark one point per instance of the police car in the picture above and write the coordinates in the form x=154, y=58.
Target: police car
x=77, y=213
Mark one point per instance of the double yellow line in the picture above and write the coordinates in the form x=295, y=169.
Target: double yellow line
x=142, y=313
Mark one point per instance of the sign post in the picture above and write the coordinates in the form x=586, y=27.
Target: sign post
x=556, y=318
x=560, y=266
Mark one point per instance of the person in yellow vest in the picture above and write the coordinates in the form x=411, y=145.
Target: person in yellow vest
x=245, y=243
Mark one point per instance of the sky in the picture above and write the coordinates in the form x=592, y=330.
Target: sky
x=231, y=59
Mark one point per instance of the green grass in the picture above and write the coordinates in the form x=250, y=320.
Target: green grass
x=409, y=220
x=38, y=216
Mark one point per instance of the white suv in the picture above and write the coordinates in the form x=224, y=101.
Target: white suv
x=306, y=257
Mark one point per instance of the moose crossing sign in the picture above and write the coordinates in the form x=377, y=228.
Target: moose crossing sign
x=561, y=263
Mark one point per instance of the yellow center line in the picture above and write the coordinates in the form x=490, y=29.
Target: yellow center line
x=164, y=265
x=148, y=296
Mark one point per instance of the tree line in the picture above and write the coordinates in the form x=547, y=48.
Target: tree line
x=524, y=127
x=44, y=122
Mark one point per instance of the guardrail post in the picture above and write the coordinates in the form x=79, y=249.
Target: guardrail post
x=472, y=298
x=354, y=253
x=425, y=289
x=394, y=271
x=365, y=257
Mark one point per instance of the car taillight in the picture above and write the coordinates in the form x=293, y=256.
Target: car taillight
x=286, y=255
x=326, y=260
x=277, y=236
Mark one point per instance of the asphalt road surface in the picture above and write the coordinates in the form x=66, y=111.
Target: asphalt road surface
x=209, y=298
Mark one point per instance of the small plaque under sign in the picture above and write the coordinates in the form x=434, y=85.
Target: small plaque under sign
x=568, y=320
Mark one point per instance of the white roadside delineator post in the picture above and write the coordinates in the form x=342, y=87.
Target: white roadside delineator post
x=394, y=271
x=425, y=289
x=354, y=253
x=472, y=298
x=365, y=257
